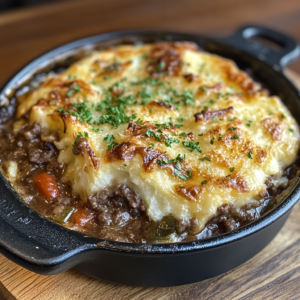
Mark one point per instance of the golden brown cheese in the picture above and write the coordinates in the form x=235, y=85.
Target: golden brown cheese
x=186, y=130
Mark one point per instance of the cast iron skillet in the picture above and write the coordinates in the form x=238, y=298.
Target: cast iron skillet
x=44, y=247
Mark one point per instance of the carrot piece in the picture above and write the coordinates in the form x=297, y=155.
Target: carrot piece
x=46, y=185
x=82, y=216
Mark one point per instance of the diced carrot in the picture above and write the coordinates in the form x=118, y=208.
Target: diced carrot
x=46, y=185
x=82, y=216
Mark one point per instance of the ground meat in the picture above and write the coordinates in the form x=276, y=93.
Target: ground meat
x=133, y=199
x=182, y=225
x=31, y=132
x=40, y=156
x=80, y=146
x=119, y=207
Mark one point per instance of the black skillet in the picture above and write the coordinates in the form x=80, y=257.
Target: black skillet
x=44, y=247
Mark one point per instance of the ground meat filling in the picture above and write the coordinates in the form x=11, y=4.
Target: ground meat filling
x=117, y=213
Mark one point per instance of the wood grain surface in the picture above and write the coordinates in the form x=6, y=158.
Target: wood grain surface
x=272, y=274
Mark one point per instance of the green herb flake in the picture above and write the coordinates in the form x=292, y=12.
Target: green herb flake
x=112, y=145
x=231, y=169
x=230, y=119
x=79, y=135
x=235, y=137
x=212, y=102
x=228, y=175
x=291, y=130
x=178, y=125
x=151, y=144
x=69, y=94
x=178, y=166
x=52, y=103
x=86, y=134
x=205, y=158
x=76, y=88
x=215, y=119
x=192, y=146
x=250, y=154
x=203, y=182
x=183, y=177
x=282, y=116
x=232, y=128
x=108, y=138
x=180, y=120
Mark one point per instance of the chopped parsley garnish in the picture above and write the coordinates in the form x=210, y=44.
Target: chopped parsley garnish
x=86, y=134
x=192, y=146
x=230, y=119
x=69, y=93
x=250, y=154
x=169, y=141
x=282, y=116
x=78, y=137
x=165, y=161
x=115, y=117
x=235, y=137
x=187, y=98
x=182, y=134
x=201, y=134
x=231, y=169
x=215, y=119
x=212, y=141
x=270, y=203
x=205, y=158
x=232, y=128
x=291, y=130
x=108, y=138
x=52, y=103
x=180, y=120
x=151, y=144
x=228, y=175
x=148, y=132
x=139, y=121
x=112, y=145
x=76, y=88
x=203, y=182
x=178, y=166
x=203, y=88
x=82, y=113
x=183, y=177
x=212, y=102
x=178, y=125
x=160, y=67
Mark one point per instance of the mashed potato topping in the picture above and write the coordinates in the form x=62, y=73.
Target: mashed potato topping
x=186, y=130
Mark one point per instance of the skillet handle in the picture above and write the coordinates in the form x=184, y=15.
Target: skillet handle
x=289, y=52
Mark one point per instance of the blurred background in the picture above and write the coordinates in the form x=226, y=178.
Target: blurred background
x=31, y=27
x=11, y=4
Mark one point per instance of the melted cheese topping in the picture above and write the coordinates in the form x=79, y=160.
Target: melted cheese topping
x=186, y=130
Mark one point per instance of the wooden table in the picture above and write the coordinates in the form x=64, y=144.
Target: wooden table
x=24, y=34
